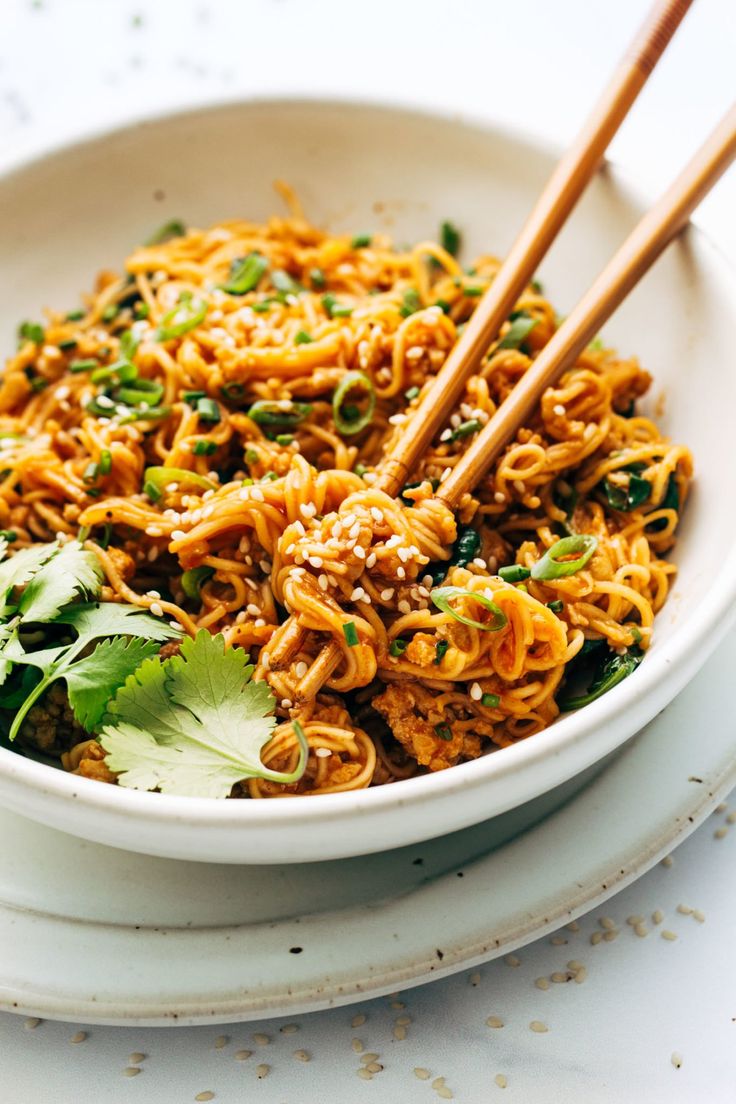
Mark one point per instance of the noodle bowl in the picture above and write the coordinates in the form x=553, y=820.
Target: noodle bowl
x=269, y=410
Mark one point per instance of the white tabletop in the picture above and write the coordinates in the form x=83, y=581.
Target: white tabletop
x=71, y=66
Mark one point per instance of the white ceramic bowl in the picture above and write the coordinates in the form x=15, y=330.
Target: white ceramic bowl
x=363, y=166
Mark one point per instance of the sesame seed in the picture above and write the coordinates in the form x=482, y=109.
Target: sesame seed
x=580, y=975
x=499, y=496
x=377, y=514
x=79, y=1037
x=542, y=983
x=399, y=1033
x=634, y=920
x=261, y=1040
x=257, y=494
x=667, y=934
x=657, y=916
x=607, y=923
x=359, y=1020
x=676, y=1060
x=500, y=1080
x=307, y=510
x=699, y=916
x=31, y=1023
x=421, y=1073
x=156, y=609
x=403, y=606
x=641, y=930
x=720, y=833
x=684, y=910
x=573, y=926
x=445, y=1092
x=559, y=977
x=438, y=1082
x=596, y=937
x=105, y=401
x=610, y=935
x=265, y=567
x=720, y=808
x=359, y=552
x=221, y=1042
x=357, y=1046
x=538, y=1026
x=136, y=1057
x=446, y=435
x=354, y=532
x=243, y=1055
x=559, y=410
x=315, y=561
x=205, y=1096
x=474, y=979
x=178, y=535
x=371, y=560
x=322, y=752
x=262, y=1071
x=286, y=703
x=387, y=594
x=368, y=1057
x=364, y=1074
x=731, y=818
x=132, y=1071
x=374, y=1067
x=512, y=960
x=494, y=1021
x=667, y=860
x=475, y=691
x=574, y=965
x=302, y=1055
x=401, y=574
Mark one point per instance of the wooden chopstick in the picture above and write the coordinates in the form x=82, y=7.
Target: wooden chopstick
x=560, y=195
x=640, y=250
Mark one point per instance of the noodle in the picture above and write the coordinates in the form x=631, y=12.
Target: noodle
x=301, y=549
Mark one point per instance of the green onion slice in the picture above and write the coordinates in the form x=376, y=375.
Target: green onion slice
x=192, y=580
x=514, y=573
x=161, y=477
x=245, y=274
x=105, y=462
x=490, y=701
x=442, y=597
x=443, y=731
x=521, y=326
x=208, y=410
x=144, y=391
x=275, y=412
x=351, y=419
x=398, y=647
x=552, y=566
x=185, y=316
x=351, y=633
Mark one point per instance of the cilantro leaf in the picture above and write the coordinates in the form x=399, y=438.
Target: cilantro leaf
x=21, y=568
x=95, y=619
x=194, y=724
x=91, y=620
x=91, y=682
x=65, y=574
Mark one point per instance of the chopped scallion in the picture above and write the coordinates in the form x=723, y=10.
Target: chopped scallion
x=514, y=573
x=245, y=274
x=443, y=731
x=350, y=419
x=193, y=579
x=490, y=701
x=442, y=596
x=552, y=566
x=351, y=633
x=450, y=238
x=208, y=410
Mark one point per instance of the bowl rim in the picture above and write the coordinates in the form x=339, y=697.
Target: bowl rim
x=708, y=622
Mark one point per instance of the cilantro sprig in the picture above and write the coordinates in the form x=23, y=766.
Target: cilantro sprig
x=49, y=586
x=194, y=724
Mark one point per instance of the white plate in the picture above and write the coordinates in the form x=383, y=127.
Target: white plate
x=57, y=230
x=194, y=943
